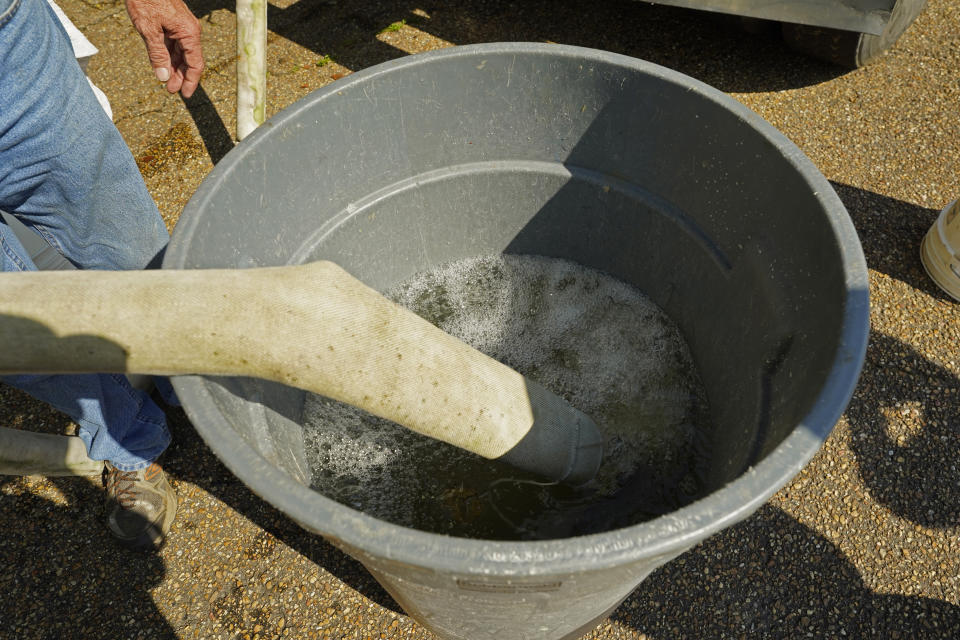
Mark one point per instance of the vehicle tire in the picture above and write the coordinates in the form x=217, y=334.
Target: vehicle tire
x=850, y=49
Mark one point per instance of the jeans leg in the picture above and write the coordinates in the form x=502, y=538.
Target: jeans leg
x=117, y=422
x=66, y=172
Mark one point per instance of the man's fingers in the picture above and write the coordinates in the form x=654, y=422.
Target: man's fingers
x=174, y=77
x=172, y=37
x=192, y=67
x=175, y=82
x=157, y=53
x=186, y=76
x=188, y=86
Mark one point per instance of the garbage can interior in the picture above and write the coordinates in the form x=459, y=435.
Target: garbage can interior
x=609, y=162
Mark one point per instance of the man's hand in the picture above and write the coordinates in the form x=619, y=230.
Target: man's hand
x=172, y=35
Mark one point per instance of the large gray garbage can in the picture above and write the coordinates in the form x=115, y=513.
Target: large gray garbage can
x=605, y=160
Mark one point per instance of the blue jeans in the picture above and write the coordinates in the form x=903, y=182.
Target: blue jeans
x=66, y=173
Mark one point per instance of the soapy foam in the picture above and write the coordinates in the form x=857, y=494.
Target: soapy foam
x=597, y=342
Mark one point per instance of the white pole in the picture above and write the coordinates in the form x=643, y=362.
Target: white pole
x=251, y=65
x=24, y=453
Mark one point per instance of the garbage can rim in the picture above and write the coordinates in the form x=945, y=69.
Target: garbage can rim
x=665, y=536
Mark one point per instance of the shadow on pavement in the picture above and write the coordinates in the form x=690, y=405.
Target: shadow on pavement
x=711, y=47
x=890, y=232
x=40, y=417
x=216, y=138
x=63, y=577
x=62, y=574
x=772, y=577
x=912, y=472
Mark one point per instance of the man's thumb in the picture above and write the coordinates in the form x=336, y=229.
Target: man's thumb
x=162, y=73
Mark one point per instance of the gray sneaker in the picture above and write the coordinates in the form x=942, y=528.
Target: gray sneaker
x=141, y=506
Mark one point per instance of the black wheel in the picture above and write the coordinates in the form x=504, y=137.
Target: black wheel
x=850, y=49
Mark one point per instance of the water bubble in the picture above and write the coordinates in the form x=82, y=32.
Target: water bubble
x=598, y=342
